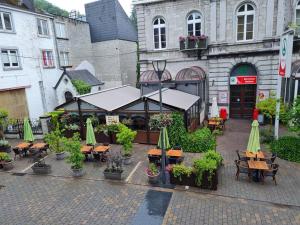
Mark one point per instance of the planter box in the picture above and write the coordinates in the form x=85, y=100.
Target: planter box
x=44, y=169
x=154, y=179
x=102, y=138
x=7, y=165
x=77, y=172
x=5, y=149
x=191, y=181
x=202, y=44
x=60, y=156
x=113, y=175
x=191, y=44
x=182, y=45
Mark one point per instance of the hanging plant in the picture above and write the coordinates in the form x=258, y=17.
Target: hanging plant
x=159, y=121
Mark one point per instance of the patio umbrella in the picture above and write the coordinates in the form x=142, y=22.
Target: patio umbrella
x=166, y=139
x=214, y=108
x=253, y=143
x=28, y=136
x=90, y=136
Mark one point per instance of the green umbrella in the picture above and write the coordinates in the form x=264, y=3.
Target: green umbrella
x=253, y=143
x=166, y=139
x=90, y=136
x=28, y=136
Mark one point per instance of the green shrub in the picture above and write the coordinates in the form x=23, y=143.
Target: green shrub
x=180, y=170
x=267, y=135
x=73, y=145
x=201, y=140
x=176, y=130
x=4, y=143
x=81, y=87
x=268, y=108
x=293, y=117
x=204, y=165
x=3, y=122
x=55, y=140
x=159, y=121
x=214, y=155
x=287, y=148
x=125, y=137
x=5, y=157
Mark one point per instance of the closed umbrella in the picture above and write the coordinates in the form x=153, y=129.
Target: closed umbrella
x=214, y=108
x=90, y=135
x=253, y=143
x=28, y=135
x=166, y=139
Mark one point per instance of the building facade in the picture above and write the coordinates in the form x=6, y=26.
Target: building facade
x=235, y=42
x=28, y=69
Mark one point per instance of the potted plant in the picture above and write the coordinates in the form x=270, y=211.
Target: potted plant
x=41, y=167
x=114, y=169
x=73, y=145
x=182, y=43
x=202, y=42
x=55, y=141
x=6, y=161
x=125, y=137
x=191, y=42
x=183, y=175
x=4, y=146
x=153, y=173
x=3, y=122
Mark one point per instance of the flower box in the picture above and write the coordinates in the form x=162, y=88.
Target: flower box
x=113, y=175
x=202, y=43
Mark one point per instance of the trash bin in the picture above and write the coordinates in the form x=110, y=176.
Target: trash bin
x=223, y=113
x=255, y=114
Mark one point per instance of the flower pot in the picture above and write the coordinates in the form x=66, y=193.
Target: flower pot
x=77, y=172
x=191, y=44
x=5, y=149
x=127, y=160
x=182, y=45
x=113, y=175
x=41, y=168
x=201, y=44
x=60, y=156
x=185, y=180
x=8, y=165
x=153, y=179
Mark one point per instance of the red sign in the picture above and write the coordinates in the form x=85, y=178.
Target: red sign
x=243, y=80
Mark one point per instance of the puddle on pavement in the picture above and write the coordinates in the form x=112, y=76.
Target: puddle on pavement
x=153, y=208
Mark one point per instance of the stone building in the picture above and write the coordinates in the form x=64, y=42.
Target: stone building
x=236, y=43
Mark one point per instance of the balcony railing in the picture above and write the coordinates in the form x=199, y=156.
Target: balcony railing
x=193, y=43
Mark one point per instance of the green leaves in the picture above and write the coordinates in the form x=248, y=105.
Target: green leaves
x=287, y=148
x=81, y=87
x=73, y=145
x=293, y=117
x=180, y=170
x=55, y=140
x=125, y=137
x=159, y=121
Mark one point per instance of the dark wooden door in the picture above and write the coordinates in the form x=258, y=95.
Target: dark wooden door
x=242, y=101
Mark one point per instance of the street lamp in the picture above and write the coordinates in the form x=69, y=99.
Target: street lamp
x=159, y=67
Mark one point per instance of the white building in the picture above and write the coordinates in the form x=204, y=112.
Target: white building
x=28, y=69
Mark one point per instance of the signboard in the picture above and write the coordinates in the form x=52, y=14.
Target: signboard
x=112, y=120
x=223, y=97
x=285, y=55
x=243, y=80
x=263, y=95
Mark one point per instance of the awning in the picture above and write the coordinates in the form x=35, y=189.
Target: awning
x=150, y=76
x=112, y=99
x=174, y=98
x=192, y=73
x=295, y=72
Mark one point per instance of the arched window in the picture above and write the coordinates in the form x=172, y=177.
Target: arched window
x=159, y=33
x=298, y=17
x=245, y=22
x=68, y=96
x=194, y=24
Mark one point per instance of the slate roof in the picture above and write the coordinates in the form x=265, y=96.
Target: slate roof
x=83, y=75
x=108, y=21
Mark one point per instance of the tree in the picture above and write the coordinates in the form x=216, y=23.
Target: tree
x=46, y=6
x=293, y=117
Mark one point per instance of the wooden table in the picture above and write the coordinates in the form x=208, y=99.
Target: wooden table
x=86, y=149
x=259, y=154
x=23, y=145
x=171, y=152
x=101, y=148
x=39, y=145
x=257, y=165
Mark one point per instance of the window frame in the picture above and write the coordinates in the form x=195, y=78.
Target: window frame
x=159, y=26
x=58, y=34
x=194, y=22
x=63, y=58
x=11, y=67
x=39, y=23
x=245, y=14
x=47, y=59
x=3, y=23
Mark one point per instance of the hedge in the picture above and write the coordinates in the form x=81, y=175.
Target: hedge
x=287, y=148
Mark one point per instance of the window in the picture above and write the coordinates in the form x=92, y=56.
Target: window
x=43, y=27
x=48, y=60
x=159, y=33
x=298, y=18
x=245, y=22
x=64, y=59
x=5, y=22
x=68, y=96
x=60, y=30
x=194, y=24
x=10, y=58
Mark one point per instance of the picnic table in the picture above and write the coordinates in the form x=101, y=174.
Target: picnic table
x=258, y=155
x=171, y=152
x=216, y=123
x=22, y=148
x=257, y=166
x=102, y=149
x=86, y=149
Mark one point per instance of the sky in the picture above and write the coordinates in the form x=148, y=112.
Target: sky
x=78, y=5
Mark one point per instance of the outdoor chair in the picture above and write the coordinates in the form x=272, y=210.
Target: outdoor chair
x=177, y=148
x=106, y=144
x=241, y=158
x=273, y=169
x=154, y=159
x=242, y=167
x=272, y=159
x=173, y=160
x=17, y=153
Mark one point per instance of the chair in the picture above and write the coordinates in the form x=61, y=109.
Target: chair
x=241, y=158
x=272, y=159
x=154, y=159
x=273, y=168
x=106, y=144
x=177, y=148
x=17, y=153
x=242, y=167
x=173, y=160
